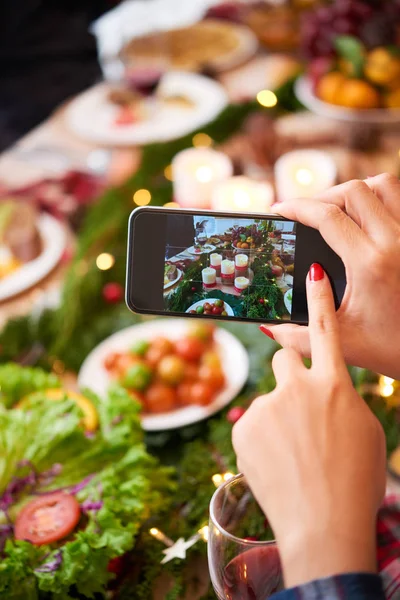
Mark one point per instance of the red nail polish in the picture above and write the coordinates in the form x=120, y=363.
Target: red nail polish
x=316, y=272
x=267, y=332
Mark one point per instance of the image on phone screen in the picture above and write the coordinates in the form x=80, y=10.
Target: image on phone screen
x=229, y=266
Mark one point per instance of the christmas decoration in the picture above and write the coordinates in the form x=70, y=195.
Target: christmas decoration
x=113, y=293
x=235, y=414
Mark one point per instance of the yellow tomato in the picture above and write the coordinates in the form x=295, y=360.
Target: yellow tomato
x=90, y=418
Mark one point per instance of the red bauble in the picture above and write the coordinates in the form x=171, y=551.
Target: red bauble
x=193, y=289
x=235, y=414
x=251, y=538
x=261, y=300
x=113, y=293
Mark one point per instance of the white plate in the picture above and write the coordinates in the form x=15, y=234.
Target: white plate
x=177, y=278
x=378, y=116
x=228, y=308
x=234, y=358
x=288, y=301
x=91, y=116
x=53, y=238
x=205, y=249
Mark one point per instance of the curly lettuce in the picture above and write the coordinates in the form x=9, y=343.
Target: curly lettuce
x=117, y=483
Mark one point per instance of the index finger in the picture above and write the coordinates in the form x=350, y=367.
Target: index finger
x=339, y=231
x=326, y=351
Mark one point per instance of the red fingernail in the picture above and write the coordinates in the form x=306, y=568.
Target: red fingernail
x=316, y=272
x=267, y=332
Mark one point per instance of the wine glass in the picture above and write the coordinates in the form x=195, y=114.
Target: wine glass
x=243, y=557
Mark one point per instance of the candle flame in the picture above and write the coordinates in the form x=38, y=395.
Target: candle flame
x=204, y=174
x=304, y=177
x=217, y=479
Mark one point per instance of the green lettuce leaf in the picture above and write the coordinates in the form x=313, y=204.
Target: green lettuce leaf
x=110, y=470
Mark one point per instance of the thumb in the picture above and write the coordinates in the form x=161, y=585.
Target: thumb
x=290, y=336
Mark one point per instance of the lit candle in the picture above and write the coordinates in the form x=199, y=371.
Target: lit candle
x=227, y=272
x=215, y=263
x=195, y=172
x=304, y=174
x=241, y=284
x=241, y=264
x=209, y=277
x=242, y=194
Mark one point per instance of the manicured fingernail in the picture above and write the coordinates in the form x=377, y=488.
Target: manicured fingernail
x=267, y=331
x=316, y=272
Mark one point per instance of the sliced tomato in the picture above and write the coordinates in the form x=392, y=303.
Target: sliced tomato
x=47, y=519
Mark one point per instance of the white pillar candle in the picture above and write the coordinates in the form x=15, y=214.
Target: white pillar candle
x=209, y=277
x=241, y=260
x=227, y=272
x=304, y=174
x=241, y=284
x=215, y=263
x=195, y=172
x=242, y=194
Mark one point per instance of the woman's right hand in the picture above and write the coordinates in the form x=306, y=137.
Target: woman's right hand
x=361, y=222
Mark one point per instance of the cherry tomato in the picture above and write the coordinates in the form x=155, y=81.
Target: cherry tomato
x=140, y=347
x=213, y=376
x=47, y=519
x=219, y=303
x=160, y=398
x=207, y=306
x=183, y=392
x=203, y=331
x=216, y=310
x=211, y=359
x=171, y=369
x=153, y=356
x=138, y=377
x=164, y=345
x=201, y=393
x=189, y=348
x=208, y=312
x=191, y=372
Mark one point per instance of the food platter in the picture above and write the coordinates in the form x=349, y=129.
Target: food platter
x=287, y=299
x=92, y=115
x=53, y=238
x=213, y=43
x=234, y=359
x=228, y=308
x=174, y=281
x=378, y=116
x=204, y=249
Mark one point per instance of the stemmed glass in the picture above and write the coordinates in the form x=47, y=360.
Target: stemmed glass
x=243, y=557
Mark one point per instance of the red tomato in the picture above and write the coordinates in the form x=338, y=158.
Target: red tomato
x=189, y=348
x=47, y=519
x=217, y=310
x=183, y=392
x=201, y=393
x=212, y=375
x=160, y=398
x=164, y=345
x=191, y=372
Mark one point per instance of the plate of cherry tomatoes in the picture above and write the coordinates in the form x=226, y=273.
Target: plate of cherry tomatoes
x=211, y=306
x=180, y=372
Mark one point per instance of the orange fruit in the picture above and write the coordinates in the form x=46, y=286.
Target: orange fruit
x=392, y=100
x=382, y=68
x=356, y=93
x=329, y=85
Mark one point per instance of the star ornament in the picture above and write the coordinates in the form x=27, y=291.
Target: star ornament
x=178, y=550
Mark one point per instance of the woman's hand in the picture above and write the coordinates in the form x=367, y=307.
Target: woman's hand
x=361, y=222
x=314, y=454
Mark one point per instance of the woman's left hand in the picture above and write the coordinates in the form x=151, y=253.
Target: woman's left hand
x=314, y=454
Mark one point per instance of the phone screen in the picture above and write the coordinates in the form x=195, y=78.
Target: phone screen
x=227, y=266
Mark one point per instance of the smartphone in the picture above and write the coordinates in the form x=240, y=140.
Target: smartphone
x=204, y=264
